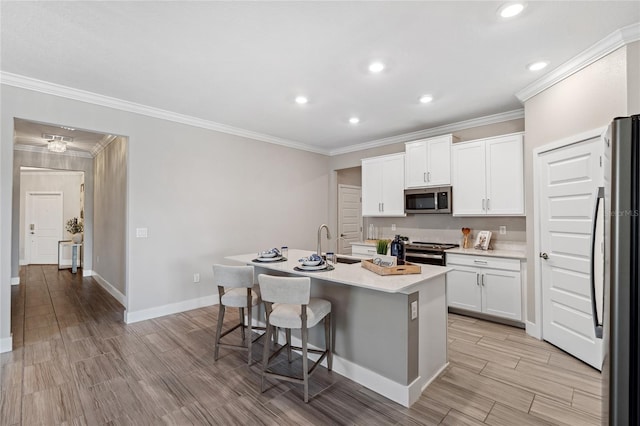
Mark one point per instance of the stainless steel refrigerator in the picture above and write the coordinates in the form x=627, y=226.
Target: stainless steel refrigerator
x=620, y=319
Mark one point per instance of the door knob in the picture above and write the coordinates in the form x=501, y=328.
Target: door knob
x=545, y=256
x=343, y=235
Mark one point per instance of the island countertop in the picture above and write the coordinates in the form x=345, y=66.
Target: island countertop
x=354, y=274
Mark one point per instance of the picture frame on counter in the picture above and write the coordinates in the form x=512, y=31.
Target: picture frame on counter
x=482, y=240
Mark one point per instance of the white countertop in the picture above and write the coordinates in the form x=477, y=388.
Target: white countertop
x=354, y=274
x=514, y=254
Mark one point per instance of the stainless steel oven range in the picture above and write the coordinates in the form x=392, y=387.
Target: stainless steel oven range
x=427, y=253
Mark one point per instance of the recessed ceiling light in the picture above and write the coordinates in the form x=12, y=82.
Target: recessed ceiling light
x=510, y=10
x=354, y=120
x=425, y=99
x=376, y=67
x=301, y=100
x=537, y=66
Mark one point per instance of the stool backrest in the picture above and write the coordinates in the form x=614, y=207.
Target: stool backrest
x=233, y=276
x=292, y=290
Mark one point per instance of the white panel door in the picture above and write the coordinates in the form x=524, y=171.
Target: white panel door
x=569, y=180
x=505, y=176
x=44, y=227
x=439, y=161
x=468, y=178
x=349, y=217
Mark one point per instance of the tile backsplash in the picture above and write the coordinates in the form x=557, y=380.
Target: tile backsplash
x=448, y=229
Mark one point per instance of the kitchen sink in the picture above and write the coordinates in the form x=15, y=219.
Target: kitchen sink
x=347, y=260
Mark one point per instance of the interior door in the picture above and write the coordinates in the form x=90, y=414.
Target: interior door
x=569, y=181
x=43, y=227
x=349, y=217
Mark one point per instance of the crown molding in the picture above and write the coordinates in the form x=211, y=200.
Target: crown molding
x=41, y=86
x=434, y=131
x=44, y=150
x=607, y=45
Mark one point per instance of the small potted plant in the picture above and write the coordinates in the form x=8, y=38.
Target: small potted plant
x=75, y=227
x=381, y=246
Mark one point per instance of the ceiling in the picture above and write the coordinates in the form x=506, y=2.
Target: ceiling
x=239, y=65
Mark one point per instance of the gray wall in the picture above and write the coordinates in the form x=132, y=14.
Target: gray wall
x=110, y=213
x=201, y=194
x=584, y=101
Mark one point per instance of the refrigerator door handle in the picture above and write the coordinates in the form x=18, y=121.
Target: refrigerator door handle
x=597, y=313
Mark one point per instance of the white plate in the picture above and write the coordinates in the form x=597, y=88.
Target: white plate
x=269, y=259
x=313, y=268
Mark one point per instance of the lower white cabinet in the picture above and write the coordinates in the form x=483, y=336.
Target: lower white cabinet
x=363, y=250
x=489, y=285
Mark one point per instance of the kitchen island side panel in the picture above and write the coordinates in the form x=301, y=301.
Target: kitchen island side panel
x=370, y=328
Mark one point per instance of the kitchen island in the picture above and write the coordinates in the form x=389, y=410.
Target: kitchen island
x=378, y=341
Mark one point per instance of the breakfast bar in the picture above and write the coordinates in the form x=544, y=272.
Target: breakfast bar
x=389, y=331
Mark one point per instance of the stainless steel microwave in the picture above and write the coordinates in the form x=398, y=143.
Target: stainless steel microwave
x=428, y=200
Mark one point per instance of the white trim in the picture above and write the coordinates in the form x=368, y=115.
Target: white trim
x=15, y=280
x=40, y=172
x=434, y=131
x=404, y=395
x=602, y=48
x=536, y=328
x=109, y=288
x=41, y=86
x=88, y=273
x=171, y=308
x=6, y=344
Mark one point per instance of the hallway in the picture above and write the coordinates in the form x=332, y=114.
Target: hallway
x=76, y=362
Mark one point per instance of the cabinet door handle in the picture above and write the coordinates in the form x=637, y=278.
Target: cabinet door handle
x=482, y=280
x=488, y=205
x=382, y=207
x=477, y=279
x=424, y=178
x=483, y=204
x=428, y=176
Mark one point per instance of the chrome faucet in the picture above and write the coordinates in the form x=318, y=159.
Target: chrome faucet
x=319, y=240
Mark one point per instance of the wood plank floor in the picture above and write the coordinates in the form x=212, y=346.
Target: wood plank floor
x=76, y=363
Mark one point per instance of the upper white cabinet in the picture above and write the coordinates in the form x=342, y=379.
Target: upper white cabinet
x=488, y=177
x=383, y=186
x=428, y=162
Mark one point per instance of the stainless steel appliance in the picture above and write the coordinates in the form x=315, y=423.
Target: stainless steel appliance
x=427, y=253
x=621, y=326
x=428, y=200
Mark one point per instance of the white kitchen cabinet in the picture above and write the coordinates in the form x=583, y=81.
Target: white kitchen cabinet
x=383, y=186
x=489, y=285
x=428, y=162
x=488, y=177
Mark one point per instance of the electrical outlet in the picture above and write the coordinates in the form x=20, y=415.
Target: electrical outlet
x=196, y=277
x=503, y=230
x=414, y=309
x=141, y=233
x=393, y=226
x=97, y=259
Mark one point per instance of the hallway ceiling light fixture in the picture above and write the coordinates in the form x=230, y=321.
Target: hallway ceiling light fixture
x=56, y=143
x=57, y=146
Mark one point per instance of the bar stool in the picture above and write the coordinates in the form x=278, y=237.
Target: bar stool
x=289, y=305
x=235, y=290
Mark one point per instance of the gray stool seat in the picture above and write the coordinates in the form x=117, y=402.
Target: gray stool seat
x=288, y=305
x=235, y=290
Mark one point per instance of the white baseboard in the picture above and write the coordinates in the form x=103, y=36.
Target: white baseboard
x=88, y=273
x=15, y=280
x=171, y=308
x=533, y=330
x=405, y=395
x=108, y=287
x=6, y=344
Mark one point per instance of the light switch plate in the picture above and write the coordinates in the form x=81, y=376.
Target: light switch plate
x=414, y=309
x=503, y=230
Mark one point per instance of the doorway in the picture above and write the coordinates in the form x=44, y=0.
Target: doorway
x=349, y=217
x=43, y=220
x=568, y=179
